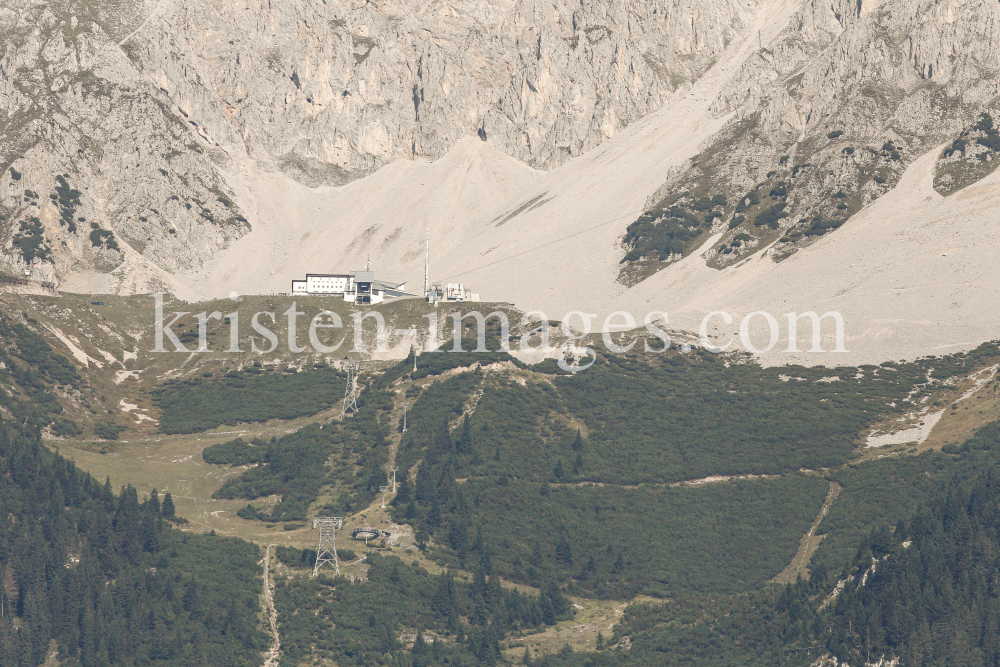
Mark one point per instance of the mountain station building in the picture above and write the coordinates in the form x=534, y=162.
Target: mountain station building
x=358, y=287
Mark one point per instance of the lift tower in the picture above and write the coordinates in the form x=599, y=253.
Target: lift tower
x=326, y=551
x=351, y=392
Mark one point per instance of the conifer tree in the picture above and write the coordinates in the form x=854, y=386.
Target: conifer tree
x=167, y=510
x=419, y=646
x=154, y=502
x=564, y=552
x=465, y=439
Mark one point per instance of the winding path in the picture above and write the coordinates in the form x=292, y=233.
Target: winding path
x=809, y=543
x=274, y=652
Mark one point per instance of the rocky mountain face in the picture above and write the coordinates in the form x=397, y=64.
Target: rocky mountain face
x=120, y=119
x=824, y=121
x=97, y=164
x=123, y=123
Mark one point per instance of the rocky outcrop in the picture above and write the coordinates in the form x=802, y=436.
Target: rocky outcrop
x=824, y=122
x=98, y=168
x=337, y=89
x=138, y=105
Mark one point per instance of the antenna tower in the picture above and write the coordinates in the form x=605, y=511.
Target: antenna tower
x=351, y=393
x=383, y=489
x=326, y=552
x=394, y=469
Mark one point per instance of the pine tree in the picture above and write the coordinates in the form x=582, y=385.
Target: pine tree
x=600, y=642
x=619, y=565
x=402, y=490
x=578, y=442
x=434, y=515
x=465, y=439
x=548, y=612
x=554, y=595
x=443, y=447
x=426, y=486
x=564, y=553
x=167, y=510
x=458, y=536
x=419, y=646
x=444, y=602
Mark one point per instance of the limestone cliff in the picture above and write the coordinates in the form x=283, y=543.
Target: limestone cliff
x=825, y=120
x=140, y=105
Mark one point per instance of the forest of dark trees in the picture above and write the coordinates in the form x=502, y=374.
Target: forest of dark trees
x=101, y=578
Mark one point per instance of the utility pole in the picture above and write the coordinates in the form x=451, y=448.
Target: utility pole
x=394, y=469
x=404, y=419
x=326, y=551
x=383, y=489
x=427, y=260
x=351, y=392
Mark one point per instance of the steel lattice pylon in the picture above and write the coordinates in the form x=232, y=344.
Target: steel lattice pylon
x=326, y=552
x=351, y=393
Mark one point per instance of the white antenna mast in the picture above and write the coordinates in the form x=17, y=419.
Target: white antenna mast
x=427, y=260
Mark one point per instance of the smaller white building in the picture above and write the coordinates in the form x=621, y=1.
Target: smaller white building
x=451, y=292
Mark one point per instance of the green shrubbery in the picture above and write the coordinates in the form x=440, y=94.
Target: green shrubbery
x=670, y=231
x=294, y=468
x=30, y=240
x=236, y=452
x=190, y=406
x=68, y=199
x=617, y=542
x=688, y=417
x=771, y=216
x=820, y=226
x=360, y=623
x=351, y=456
x=102, y=238
x=108, y=430
x=30, y=369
